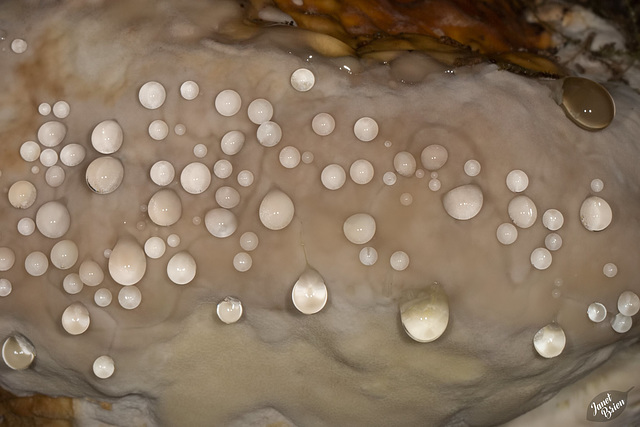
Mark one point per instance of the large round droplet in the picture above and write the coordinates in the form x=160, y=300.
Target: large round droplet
x=359, y=228
x=507, y=233
x=228, y=102
x=104, y=175
x=53, y=219
x=595, y=214
x=434, y=157
x=323, y=124
x=221, y=222
x=129, y=297
x=127, y=262
x=541, y=258
x=259, y=111
x=232, y=142
x=22, y=194
x=365, y=129
x=309, y=293
x=18, y=352
x=152, y=95
x=463, y=202
x=549, y=341
x=276, y=210
x=425, y=317
x=195, y=178
x=181, y=268
x=64, y=254
x=405, y=164
x=229, y=310
x=51, y=134
x=333, y=177
x=162, y=173
x=7, y=259
x=587, y=103
x=90, y=273
x=75, y=318
x=628, y=303
x=103, y=367
x=36, y=263
x=107, y=137
x=302, y=79
x=517, y=181
x=361, y=171
x=269, y=133
x=165, y=207
x=522, y=211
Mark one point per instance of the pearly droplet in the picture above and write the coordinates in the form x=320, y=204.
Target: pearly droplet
x=507, y=233
x=19, y=46
x=22, y=194
x=361, y=171
x=103, y=367
x=426, y=316
x=53, y=219
x=76, y=319
x=91, y=273
x=628, y=303
x=162, y=173
x=552, y=219
x=587, y=103
x=154, y=247
x=242, y=262
x=195, y=178
x=610, y=269
x=64, y=254
x=307, y=157
x=7, y=259
x=249, y=241
x=103, y=297
x=165, y=207
x=472, y=168
x=227, y=197
x=127, y=262
x=541, y=258
x=464, y=202
x=406, y=199
x=389, y=178
x=223, y=169
x=399, y=261
x=522, y=211
x=221, y=222
x=5, y=287
x=104, y=175
x=48, y=157
x=359, y=228
x=621, y=323
x=72, y=284
x=30, y=151
x=323, y=124
x=434, y=157
x=553, y=241
x=129, y=297
x=228, y=102
x=61, y=109
x=597, y=185
x=597, y=312
x=232, y=142
x=302, y=79
x=269, y=134
x=549, y=341
x=517, y=181
x=72, y=154
x=289, y=157
x=245, y=178
x=181, y=268
x=333, y=177
x=54, y=176
x=180, y=129
x=405, y=163
x=309, y=294
x=26, y=226
x=152, y=95
x=200, y=151
x=17, y=352
x=259, y=111
x=276, y=210
x=595, y=214
x=229, y=310
x=51, y=134
x=189, y=90
x=368, y=256
x=107, y=137
x=365, y=129
x=158, y=130
x=44, y=109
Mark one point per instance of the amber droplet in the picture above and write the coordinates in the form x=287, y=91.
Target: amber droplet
x=587, y=103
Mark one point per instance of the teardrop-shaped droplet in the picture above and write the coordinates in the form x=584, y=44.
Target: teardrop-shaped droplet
x=309, y=294
x=426, y=316
x=18, y=352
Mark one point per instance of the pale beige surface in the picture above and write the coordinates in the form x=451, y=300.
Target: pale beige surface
x=352, y=363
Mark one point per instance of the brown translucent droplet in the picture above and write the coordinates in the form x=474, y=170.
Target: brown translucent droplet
x=587, y=103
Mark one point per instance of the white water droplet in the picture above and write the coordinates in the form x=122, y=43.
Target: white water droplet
x=361, y=171
x=249, y=241
x=323, y=124
x=223, y=169
x=55, y=176
x=259, y=111
x=405, y=163
x=232, y=142
x=242, y=261
x=64, y=254
x=200, y=151
x=368, y=256
x=220, y=222
x=595, y=214
x=597, y=185
x=61, y=109
x=389, y=178
x=228, y=102
x=18, y=352
x=269, y=134
x=406, y=199
x=434, y=184
x=309, y=294
x=628, y=303
x=189, y=90
x=162, y=173
x=19, y=46
x=30, y=151
x=51, y=134
x=7, y=259
x=181, y=268
x=517, y=181
x=76, y=319
x=621, y=323
x=552, y=219
x=553, y=241
x=399, y=261
x=48, y=157
x=541, y=258
x=597, y=312
x=180, y=129
x=173, y=240
x=307, y=157
x=26, y=226
x=434, y=157
x=472, y=168
x=289, y=157
x=522, y=211
x=53, y=219
x=104, y=175
x=107, y=137
x=333, y=177
x=507, y=233
x=103, y=367
x=195, y=178
x=302, y=79
x=44, y=109
x=152, y=95
x=229, y=310
x=426, y=316
x=103, y=297
x=127, y=262
x=276, y=210
x=610, y=269
x=359, y=228
x=549, y=341
x=91, y=273
x=129, y=297
x=245, y=178
x=22, y=194
x=464, y=202
x=165, y=207
x=5, y=287
x=365, y=129
x=154, y=247
x=227, y=197
x=158, y=130
x=72, y=154
x=72, y=284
